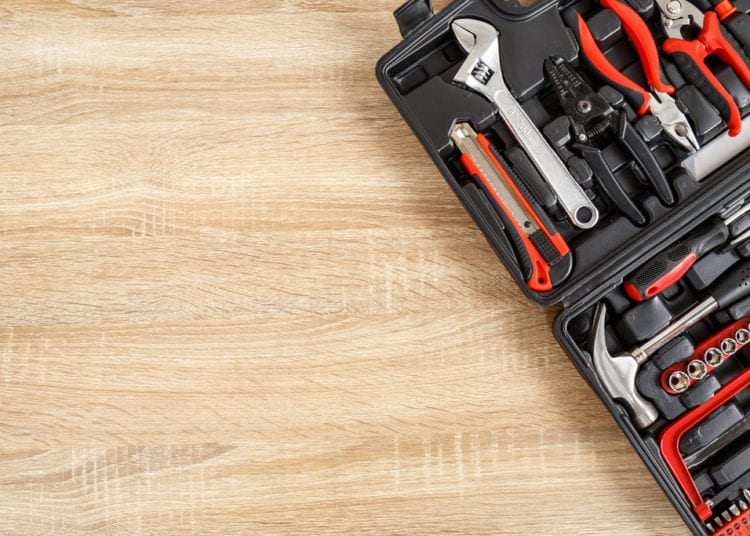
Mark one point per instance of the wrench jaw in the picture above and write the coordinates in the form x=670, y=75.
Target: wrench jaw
x=618, y=374
x=480, y=71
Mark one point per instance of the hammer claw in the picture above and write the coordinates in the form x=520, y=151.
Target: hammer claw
x=618, y=373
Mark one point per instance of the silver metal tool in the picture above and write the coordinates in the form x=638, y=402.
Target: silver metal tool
x=482, y=73
x=717, y=152
x=721, y=442
x=679, y=381
x=618, y=373
x=673, y=120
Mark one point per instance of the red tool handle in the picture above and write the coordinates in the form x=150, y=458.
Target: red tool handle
x=719, y=44
x=540, y=280
x=643, y=41
x=639, y=97
x=725, y=9
x=670, y=441
x=669, y=266
x=690, y=57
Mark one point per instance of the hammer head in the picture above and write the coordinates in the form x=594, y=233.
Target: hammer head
x=617, y=374
x=481, y=70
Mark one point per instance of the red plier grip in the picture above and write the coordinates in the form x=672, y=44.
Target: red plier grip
x=643, y=41
x=648, y=55
x=639, y=97
x=670, y=441
x=690, y=57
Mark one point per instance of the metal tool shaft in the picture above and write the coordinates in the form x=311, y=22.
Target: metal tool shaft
x=482, y=72
x=570, y=195
x=682, y=324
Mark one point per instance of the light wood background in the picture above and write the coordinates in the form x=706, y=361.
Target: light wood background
x=237, y=298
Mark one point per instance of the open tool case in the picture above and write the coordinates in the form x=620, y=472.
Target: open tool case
x=631, y=209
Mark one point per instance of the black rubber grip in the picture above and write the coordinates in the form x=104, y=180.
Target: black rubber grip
x=533, y=203
x=516, y=243
x=645, y=158
x=739, y=24
x=693, y=74
x=671, y=264
x=546, y=248
x=733, y=286
x=609, y=183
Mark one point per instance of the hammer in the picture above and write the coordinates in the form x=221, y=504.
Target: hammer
x=618, y=373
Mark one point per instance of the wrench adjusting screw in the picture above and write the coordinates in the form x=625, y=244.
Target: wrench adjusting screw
x=679, y=381
x=697, y=369
x=729, y=346
x=742, y=336
x=713, y=357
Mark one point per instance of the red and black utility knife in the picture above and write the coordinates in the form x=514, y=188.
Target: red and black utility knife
x=544, y=256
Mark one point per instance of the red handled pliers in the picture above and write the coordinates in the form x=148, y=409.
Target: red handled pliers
x=657, y=99
x=690, y=55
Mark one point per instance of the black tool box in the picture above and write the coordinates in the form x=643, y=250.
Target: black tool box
x=601, y=148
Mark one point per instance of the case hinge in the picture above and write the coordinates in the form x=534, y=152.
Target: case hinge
x=412, y=14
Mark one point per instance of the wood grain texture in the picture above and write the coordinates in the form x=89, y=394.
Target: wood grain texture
x=237, y=298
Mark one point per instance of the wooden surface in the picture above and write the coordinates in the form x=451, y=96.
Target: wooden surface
x=237, y=298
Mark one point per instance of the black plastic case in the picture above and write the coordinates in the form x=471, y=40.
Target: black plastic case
x=417, y=75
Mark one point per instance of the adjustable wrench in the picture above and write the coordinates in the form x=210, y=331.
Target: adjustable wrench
x=482, y=73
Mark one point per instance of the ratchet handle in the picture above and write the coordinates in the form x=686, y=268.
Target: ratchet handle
x=599, y=63
x=669, y=266
x=643, y=41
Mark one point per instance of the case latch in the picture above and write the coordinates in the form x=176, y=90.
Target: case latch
x=412, y=14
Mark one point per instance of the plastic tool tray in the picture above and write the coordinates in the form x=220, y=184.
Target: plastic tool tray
x=654, y=279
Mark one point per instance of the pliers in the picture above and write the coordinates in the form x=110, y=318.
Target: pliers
x=594, y=119
x=658, y=100
x=678, y=17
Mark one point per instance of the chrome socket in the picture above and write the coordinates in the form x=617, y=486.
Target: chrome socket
x=679, y=381
x=729, y=346
x=742, y=336
x=713, y=357
x=697, y=369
